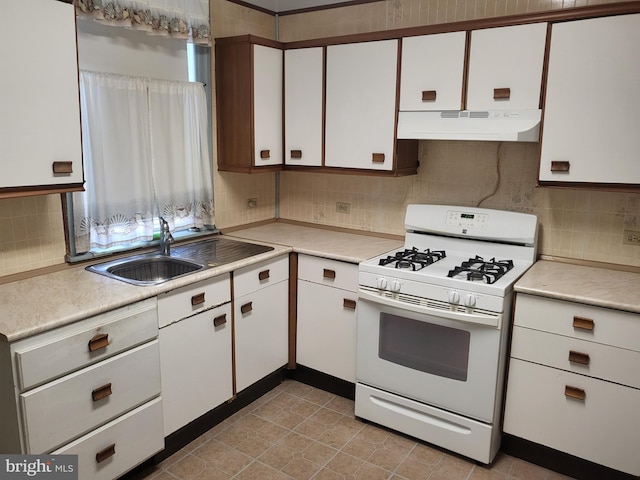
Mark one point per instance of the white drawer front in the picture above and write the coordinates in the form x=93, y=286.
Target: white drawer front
x=64, y=409
x=254, y=277
x=56, y=353
x=579, y=356
x=603, y=428
x=328, y=272
x=186, y=301
x=602, y=325
x=117, y=447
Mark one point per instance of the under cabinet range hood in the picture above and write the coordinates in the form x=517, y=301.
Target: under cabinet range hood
x=492, y=125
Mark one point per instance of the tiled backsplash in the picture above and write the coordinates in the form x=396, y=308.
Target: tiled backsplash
x=581, y=224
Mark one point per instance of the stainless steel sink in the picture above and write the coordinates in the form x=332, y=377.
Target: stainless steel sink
x=154, y=268
x=150, y=269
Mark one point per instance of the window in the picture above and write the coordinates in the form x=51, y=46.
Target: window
x=146, y=151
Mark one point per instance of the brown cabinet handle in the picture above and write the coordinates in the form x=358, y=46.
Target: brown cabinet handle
x=330, y=274
x=501, y=93
x=246, y=308
x=348, y=303
x=296, y=153
x=108, y=452
x=220, y=320
x=98, y=341
x=263, y=275
x=62, y=168
x=197, y=299
x=101, y=392
x=578, y=357
x=377, y=158
x=428, y=95
x=574, y=392
x=265, y=154
x=582, y=323
x=560, y=166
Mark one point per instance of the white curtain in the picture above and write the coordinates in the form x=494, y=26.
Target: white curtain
x=146, y=155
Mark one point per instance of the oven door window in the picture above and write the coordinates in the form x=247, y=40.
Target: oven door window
x=423, y=346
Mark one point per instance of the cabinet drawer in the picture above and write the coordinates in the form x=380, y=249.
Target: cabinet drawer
x=603, y=428
x=56, y=353
x=328, y=272
x=118, y=446
x=578, y=356
x=186, y=301
x=64, y=409
x=254, y=277
x=596, y=324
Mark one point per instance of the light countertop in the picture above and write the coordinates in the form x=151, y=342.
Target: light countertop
x=601, y=287
x=40, y=303
x=312, y=240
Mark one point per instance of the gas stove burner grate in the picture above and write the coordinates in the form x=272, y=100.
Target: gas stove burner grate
x=412, y=258
x=479, y=269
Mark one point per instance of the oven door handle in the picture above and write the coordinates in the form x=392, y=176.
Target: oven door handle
x=493, y=320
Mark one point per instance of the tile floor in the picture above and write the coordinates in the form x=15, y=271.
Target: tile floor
x=300, y=432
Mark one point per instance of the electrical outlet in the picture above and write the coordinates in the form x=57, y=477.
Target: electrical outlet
x=252, y=202
x=342, y=207
x=631, y=238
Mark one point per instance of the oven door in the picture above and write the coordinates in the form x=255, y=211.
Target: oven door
x=429, y=358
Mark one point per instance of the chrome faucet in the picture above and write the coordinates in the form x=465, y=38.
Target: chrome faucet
x=166, y=239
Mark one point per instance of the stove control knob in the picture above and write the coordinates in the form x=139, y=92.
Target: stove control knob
x=382, y=283
x=454, y=297
x=395, y=286
x=470, y=300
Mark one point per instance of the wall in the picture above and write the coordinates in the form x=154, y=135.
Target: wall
x=580, y=224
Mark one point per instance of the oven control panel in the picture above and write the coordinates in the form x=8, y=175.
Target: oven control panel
x=466, y=219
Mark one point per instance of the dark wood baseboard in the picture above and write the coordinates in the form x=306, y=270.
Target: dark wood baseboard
x=559, y=461
x=323, y=381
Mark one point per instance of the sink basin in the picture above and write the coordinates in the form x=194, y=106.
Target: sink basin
x=146, y=269
x=154, y=268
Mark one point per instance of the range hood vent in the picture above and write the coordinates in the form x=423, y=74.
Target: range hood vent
x=493, y=125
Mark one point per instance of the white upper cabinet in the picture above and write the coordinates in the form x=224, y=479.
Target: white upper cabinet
x=432, y=72
x=361, y=105
x=40, y=147
x=590, y=129
x=505, y=67
x=303, y=91
x=267, y=99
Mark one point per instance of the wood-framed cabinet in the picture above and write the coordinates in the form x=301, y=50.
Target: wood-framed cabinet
x=589, y=130
x=40, y=139
x=248, y=75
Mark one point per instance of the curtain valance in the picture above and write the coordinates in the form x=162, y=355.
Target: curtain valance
x=188, y=19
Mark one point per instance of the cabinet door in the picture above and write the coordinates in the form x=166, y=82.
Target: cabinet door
x=261, y=333
x=195, y=365
x=267, y=105
x=361, y=105
x=326, y=337
x=505, y=67
x=432, y=72
x=592, y=98
x=40, y=121
x=303, y=96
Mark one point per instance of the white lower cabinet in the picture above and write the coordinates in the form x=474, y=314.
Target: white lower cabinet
x=195, y=350
x=573, y=383
x=261, y=320
x=90, y=388
x=327, y=312
x=195, y=359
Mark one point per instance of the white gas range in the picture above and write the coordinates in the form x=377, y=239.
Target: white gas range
x=433, y=325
